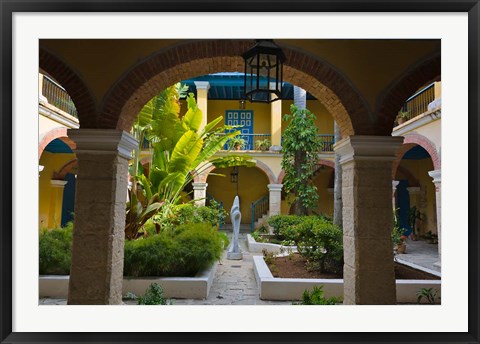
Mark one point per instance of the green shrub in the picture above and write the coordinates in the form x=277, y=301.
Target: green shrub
x=191, y=248
x=55, y=250
x=283, y=223
x=224, y=238
x=189, y=213
x=153, y=296
x=321, y=243
x=315, y=297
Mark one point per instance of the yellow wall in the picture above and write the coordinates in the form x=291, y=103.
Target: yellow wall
x=425, y=201
x=432, y=131
x=252, y=185
x=325, y=199
x=50, y=202
x=324, y=119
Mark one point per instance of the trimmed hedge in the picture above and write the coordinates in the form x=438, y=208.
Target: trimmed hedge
x=55, y=250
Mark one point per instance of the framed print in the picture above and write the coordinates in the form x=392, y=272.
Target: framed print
x=391, y=93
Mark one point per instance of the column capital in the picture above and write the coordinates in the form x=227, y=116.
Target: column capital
x=58, y=183
x=395, y=184
x=202, y=85
x=275, y=187
x=97, y=141
x=199, y=186
x=367, y=147
x=436, y=175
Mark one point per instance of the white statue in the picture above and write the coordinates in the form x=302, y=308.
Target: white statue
x=236, y=216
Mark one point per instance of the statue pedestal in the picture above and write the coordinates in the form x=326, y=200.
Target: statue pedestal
x=235, y=255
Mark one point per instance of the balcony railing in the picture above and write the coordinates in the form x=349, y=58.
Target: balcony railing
x=418, y=103
x=328, y=140
x=250, y=141
x=57, y=96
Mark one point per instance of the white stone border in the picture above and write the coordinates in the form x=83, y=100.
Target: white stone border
x=258, y=247
x=197, y=287
x=272, y=288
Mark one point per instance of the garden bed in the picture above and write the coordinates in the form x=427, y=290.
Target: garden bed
x=293, y=266
x=198, y=287
x=259, y=247
x=277, y=288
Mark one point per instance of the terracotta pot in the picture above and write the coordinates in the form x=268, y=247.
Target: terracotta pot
x=401, y=248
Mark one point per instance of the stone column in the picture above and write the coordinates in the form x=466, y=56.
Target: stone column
x=202, y=100
x=437, y=180
x=96, y=273
x=368, y=272
x=274, y=199
x=337, y=186
x=394, y=190
x=56, y=202
x=276, y=122
x=199, y=193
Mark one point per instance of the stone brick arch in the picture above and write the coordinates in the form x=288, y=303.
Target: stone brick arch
x=193, y=58
x=391, y=101
x=202, y=177
x=411, y=140
x=320, y=162
x=57, y=133
x=73, y=84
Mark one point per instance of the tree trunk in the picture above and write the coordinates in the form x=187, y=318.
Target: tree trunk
x=300, y=101
x=337, y=190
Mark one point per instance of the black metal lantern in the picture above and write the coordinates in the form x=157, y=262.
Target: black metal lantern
x=263, y=71
x=234, y=175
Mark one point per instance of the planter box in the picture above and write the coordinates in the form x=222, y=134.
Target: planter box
x=258, y=247
x=272, y=288
x=196, y=287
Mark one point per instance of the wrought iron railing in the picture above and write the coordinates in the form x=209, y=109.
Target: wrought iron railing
x=418, y=103
x=259, y=208
x=57, y=96
x=209, y=201
x=328, y=140
x=249, y=142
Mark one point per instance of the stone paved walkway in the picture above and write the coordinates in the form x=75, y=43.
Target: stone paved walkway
x=422, y=254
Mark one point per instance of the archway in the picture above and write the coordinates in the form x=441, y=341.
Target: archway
x=193, y=58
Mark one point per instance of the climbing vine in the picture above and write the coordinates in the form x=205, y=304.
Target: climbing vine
x=300, y=155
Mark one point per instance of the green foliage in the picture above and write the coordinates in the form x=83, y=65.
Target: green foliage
x=398, y=235
x=321, y=243
x=317, y=239
x=178, y=148
x=183, y=252
x=225, y=239
x=55, y=250
x=300, y=148
x=413, y=215
x=263, y=144
x=429, y=294
x=153, y=296
x=316, y=297
x=189, y=213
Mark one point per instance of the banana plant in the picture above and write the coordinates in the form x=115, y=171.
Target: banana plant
x=179, y=146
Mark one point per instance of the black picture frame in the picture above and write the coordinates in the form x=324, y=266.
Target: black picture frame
x=9, y=7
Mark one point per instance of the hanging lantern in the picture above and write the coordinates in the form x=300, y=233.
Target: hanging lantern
x=263, y=71
x=234, y=175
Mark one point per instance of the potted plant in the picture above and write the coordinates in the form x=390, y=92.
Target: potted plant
x=237, y=143
x=398, y=239
x=263, y=145
x=403, y=116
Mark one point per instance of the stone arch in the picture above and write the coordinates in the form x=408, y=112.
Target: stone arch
x=57, y=133
x=391, y=101
x=66, y=168
x=410, y=140
x=202, y=177
x=73, y=84
x=409, y=175
x=199, y=57
x=320, y=162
